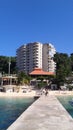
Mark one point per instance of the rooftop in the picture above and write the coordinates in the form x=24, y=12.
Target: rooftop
x=39, y=71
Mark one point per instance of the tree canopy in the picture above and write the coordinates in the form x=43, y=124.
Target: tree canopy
x=4, y=64
x=63, y=66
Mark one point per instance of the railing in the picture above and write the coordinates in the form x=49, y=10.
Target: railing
x=12, y=75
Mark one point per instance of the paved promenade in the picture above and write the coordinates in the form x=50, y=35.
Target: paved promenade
x=44, y=114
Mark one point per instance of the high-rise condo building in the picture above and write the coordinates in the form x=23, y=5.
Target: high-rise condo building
x=35, y=55
x=48, y=52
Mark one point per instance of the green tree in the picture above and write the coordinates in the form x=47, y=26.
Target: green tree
x=23, y=78
x=71, y=61
x=63, y=68
x=13, y=65
x=4, y=64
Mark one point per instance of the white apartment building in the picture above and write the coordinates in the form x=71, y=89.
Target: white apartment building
x=48, y=52
x=35, y=55
x=21, y=58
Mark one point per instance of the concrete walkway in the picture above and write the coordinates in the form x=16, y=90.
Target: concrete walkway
x=44, y=114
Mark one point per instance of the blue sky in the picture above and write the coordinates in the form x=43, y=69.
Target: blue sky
x=24, y=21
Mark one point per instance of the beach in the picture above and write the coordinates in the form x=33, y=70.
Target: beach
x=19, y=94
x=60, y=92
x=33, y=93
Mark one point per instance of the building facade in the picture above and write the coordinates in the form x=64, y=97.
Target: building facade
x=48, y=52
x=21, y=58
x=35, y=55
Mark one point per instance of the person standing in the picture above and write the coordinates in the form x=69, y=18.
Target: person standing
x=46, y=92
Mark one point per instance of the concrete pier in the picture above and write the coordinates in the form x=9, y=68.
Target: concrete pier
x=46, y=113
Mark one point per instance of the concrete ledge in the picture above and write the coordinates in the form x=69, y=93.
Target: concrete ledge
x=44, y=114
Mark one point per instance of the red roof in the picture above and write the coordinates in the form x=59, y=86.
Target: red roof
x=38, y=71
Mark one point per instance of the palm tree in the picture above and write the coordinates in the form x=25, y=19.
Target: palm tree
x=23, y=78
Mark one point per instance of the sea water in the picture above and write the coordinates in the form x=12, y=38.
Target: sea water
x=64, y=100
x=11, y=109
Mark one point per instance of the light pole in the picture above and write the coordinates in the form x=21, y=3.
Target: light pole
x=9, y=71
x=1, y=80
x=9, y=66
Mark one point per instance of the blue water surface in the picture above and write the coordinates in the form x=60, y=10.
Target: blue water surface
x=65, y=102
x=11, y=109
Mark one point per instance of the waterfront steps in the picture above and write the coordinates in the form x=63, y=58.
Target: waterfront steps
x=46, y=113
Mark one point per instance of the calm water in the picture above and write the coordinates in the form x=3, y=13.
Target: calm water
x=11, y=109
x=65, y=102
